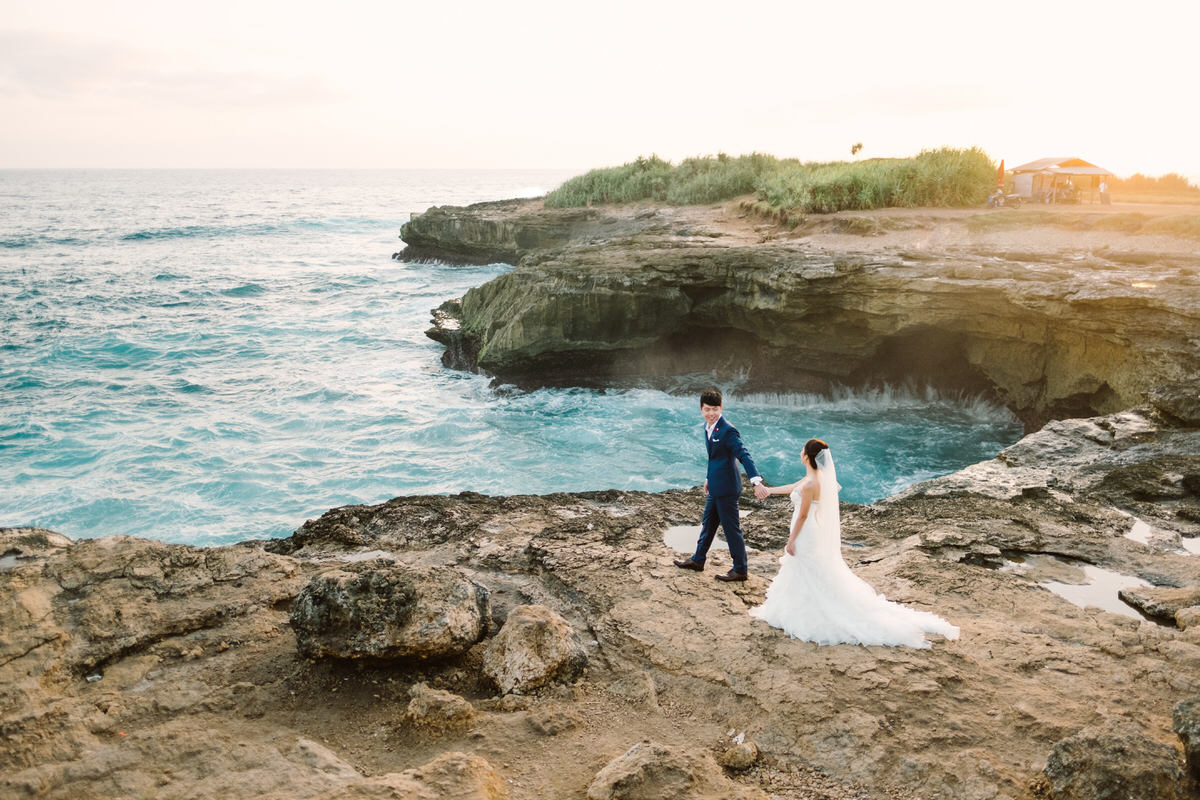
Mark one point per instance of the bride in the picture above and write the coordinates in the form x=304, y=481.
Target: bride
x=815, y=596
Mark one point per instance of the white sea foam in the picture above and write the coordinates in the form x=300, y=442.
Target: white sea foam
x=883, y=399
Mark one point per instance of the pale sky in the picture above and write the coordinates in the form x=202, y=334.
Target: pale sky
x=561, y=84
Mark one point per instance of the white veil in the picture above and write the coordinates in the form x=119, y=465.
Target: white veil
x=829, y=515
x=816, y=597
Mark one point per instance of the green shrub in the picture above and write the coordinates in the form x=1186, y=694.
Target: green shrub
x=643, y=179
x=947, y=177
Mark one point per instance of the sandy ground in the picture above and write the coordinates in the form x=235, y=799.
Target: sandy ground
x=946, y=229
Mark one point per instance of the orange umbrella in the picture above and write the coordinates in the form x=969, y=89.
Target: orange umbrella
x=1000, y=175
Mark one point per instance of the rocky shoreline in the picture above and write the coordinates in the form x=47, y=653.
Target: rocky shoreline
x=1073, y=326
x=130, y=668
x=545, y=647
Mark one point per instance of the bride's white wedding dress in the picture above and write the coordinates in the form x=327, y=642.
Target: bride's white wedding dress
x=815, y=596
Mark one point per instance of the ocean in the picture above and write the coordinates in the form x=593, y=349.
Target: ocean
x=210, y=356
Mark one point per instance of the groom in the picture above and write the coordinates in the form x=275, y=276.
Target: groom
x=723, y=486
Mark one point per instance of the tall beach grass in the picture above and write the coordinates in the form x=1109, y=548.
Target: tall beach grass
x=789, y=188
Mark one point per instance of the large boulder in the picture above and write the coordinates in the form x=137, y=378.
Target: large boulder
x=1115, y=761
x=380, y=610
x=650, y=771
x=535, y=647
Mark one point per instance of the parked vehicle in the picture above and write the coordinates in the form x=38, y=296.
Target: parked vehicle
x=1000, y=199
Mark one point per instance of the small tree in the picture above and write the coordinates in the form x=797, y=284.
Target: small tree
x=856, y=148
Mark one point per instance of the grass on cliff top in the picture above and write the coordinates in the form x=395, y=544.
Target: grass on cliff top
x=789, y=188
x=1185, y=226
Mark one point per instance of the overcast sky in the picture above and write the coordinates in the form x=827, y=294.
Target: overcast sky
x=562, y=84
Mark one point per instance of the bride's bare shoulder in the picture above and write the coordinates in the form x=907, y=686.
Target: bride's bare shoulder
x=810, y=487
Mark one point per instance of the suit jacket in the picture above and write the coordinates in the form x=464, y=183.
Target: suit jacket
x=725, y=449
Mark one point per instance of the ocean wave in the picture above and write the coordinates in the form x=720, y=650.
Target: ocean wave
x=245, y=290
x=885, y=398
x=271, y=228
x=36, y=241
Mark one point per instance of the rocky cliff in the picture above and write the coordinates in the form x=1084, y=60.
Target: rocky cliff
x=131, y=668
x=1056, y=327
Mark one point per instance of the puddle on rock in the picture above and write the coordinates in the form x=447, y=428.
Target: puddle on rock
x=11, y=560
x=683, y=538
x=1142, y=532
x=1101, y=591
x=1082, y=584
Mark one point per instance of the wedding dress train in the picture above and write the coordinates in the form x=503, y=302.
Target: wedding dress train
x=815, y=596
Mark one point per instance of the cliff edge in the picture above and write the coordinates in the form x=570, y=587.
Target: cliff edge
x=1052, y=322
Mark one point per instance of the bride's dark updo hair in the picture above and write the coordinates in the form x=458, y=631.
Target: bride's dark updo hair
x=813, y=448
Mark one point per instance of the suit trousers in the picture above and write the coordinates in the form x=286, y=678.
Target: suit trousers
x=722, y=511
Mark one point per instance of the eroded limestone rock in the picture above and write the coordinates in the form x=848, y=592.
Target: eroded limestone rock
x=1186, y=722
x=1179, y=400
x=71, y=607
x=650, y=771
x=1162, y=602
x=535, y=647
x=437, y=708
x=740, y=757
x=1114, y=761
x=219, y=710
x=1187, y=617
x=450, y=776
x=1051, y=335
x=380, y=610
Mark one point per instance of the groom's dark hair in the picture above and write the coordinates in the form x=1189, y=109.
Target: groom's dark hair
x=710, y=397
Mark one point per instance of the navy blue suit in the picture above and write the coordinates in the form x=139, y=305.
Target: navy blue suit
x=725, y=450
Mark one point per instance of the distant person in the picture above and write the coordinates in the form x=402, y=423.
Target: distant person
x=723, y=487
x=815, y=596
x=1104, y=198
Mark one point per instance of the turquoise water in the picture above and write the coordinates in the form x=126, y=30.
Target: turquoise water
x=213, y=356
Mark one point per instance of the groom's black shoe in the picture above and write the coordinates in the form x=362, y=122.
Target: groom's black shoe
x=731, y=576
x=687, y=563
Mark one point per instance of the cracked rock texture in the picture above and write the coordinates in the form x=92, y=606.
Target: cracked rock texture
x=623, y=294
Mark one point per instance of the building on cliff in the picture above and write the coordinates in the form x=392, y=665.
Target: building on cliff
x=1058, y=180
